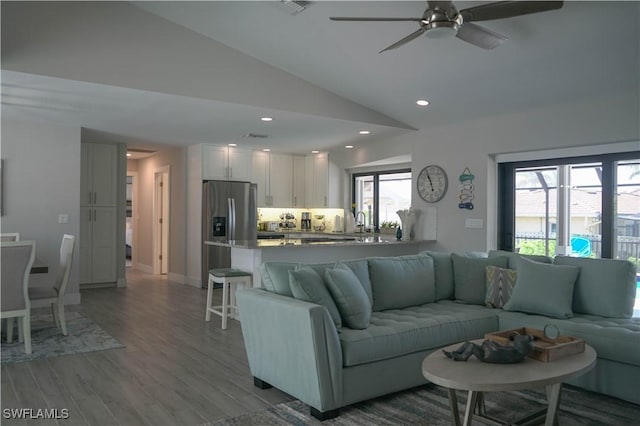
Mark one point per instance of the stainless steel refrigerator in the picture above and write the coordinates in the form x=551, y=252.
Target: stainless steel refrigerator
x=228, y=213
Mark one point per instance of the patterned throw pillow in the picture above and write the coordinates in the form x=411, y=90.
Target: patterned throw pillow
x=500, y=283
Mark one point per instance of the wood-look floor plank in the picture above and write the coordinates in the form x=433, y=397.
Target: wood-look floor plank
x=175, y=367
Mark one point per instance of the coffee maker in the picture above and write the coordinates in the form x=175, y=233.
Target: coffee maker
x=305, y=222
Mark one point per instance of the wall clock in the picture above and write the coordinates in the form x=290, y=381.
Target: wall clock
x=432, y=183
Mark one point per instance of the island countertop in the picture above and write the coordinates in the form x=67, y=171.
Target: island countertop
x=315, y=241
x=315, y=248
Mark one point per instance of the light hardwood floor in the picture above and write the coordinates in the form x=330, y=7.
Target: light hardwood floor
x=176, y=369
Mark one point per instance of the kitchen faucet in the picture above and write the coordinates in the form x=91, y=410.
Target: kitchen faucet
x=364, y=218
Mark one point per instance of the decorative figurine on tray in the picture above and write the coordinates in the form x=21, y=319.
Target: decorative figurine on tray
x=494, y=352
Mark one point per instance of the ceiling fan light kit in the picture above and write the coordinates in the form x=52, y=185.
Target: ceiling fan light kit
x=442, y=19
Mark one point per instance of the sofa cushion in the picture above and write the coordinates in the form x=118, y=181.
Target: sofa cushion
x=500, y=283
x=513, y=256
x=605, y=287
x=351, y=299
x=543, y=289
x=275, y=277
x=401, y=281
x=469, y=275
x=307, y=285
x=443, y=272
x=398, y=332
x=615, y=339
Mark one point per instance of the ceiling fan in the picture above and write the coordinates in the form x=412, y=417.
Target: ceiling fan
x=442, y=19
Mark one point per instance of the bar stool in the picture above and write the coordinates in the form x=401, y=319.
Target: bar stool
x=229, y=278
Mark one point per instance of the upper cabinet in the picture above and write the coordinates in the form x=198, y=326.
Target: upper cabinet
x=317, y=180
x=299, y=198
x=273, y=173
x=99, y=181
x=226, y=163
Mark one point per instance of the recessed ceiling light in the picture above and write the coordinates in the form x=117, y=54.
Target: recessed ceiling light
x=315, y=151
x=266, y=119
x=233, y=144
x=348, y=146
x=365, y=132
x=422, y=102
x=129, y=154
x=266, y=149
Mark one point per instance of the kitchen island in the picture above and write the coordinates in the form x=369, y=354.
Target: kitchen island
x=315, y=248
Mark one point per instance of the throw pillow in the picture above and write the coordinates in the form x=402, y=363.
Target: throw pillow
x=307, y=285
x=360, y=267
x=402, y=281
x=470, y=277
x=351, y=299
x=500, y=283
x=543, y=289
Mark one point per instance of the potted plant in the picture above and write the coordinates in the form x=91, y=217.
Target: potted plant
x=388, y=227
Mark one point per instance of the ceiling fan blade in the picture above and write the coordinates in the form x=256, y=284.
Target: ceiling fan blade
x=480, y=36
x=507, y=9
x=405, y=40
x=347, y=18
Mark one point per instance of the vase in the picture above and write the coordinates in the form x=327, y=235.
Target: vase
x=407, y=222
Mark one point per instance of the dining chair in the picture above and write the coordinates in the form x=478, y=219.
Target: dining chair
x=17, y=258
x=7, y=237
x=10, y=236
x=55, y=293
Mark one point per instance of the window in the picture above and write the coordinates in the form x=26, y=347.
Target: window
x=580, y=206
x=584, y=206
x=377, y=196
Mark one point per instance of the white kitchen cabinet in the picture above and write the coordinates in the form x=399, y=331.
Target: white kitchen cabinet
x=260, y=176
x=317, y=180
x=281, y=180
x=273, y=174
x=97, y=245
x=98, y=213
x=299, y=197
x=98, y=183
x=226, y=163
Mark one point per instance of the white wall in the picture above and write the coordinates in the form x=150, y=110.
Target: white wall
x=473, y=144
x=41, y=180
x=175, y=158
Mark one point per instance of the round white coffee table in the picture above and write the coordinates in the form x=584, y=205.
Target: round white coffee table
x=477, y=377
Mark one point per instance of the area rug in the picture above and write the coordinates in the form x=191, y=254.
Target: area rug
x=47, y=340
x=429, y=405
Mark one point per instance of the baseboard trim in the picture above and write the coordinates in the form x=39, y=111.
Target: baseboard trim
x=143, y=268
x=178, y=278
x=194, y=282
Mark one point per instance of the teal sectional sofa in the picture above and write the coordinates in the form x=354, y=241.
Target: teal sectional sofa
x=335, y=334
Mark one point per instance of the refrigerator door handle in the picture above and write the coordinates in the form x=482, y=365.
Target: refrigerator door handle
x=232, y=218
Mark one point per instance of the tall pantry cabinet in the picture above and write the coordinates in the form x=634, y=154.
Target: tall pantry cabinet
x=98, y=213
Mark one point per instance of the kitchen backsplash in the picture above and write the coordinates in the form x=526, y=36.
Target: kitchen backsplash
x=266, y=215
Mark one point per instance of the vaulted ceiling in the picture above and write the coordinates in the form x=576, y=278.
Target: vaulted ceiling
x=180, y=73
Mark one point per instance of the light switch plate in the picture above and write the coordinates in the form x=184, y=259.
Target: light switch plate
x=474, y=223
x=63, y=218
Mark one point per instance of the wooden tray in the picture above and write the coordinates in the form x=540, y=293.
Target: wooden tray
x=544, y=349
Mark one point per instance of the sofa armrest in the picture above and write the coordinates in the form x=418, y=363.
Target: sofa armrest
x=292, y=345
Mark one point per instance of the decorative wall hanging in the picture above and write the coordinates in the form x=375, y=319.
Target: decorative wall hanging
x=466, y=189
